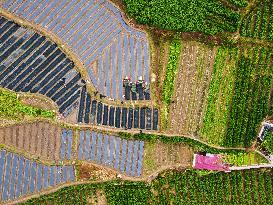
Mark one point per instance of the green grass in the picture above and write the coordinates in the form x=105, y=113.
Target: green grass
x=207, y=16
x=13, y=109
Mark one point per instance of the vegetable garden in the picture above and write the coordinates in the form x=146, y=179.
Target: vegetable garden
x=172, y=187
x=208, y=16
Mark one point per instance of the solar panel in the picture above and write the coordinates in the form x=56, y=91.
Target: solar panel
x=80, y=153
x=58, y=174
x=2, y=163
x=13, y=176
x=87, y=108
x=106, y=148
x=140, y=158
x=129, y=158
x=112, y=116
x=148, y=119
x=69, y=143
x=26, y=176
x=124, y=117
x=117, y=118
x=99, y=114
x=71, y=173
x=142, y=118
x=93, y=146
x=52, y=177
x=39, y=177
x=130, y=118
x=6, y=177
x=155, y=119
x=33, y=177
x=124, y=154
x=105, y=115
x=99, y=146
x=117, y=153
x=134, y=159
x=82, y=103
x=64, y=179
x=46, y=170
x=20, y=177
x=112, y=150
x=136, y=117
x=87, y=145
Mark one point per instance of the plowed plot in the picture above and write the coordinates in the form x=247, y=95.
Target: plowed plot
x=160, y=156
x=194, y=75
x=40, y=139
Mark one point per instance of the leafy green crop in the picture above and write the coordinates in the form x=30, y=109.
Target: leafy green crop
x=168, y=87
x=173, y=187
x=268, y=141
x=208, y=16
x=12, y=108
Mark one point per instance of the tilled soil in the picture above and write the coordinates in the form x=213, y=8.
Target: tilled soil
x=40, y=139
x=191, y=88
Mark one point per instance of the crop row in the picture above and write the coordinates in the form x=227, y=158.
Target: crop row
x=259, y=22
x=219, y=97
x=238, y=187
x=250, y=97
x=209, y=16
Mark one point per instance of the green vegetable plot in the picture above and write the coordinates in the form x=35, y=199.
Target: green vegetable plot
x=208, y=16
x=12, y=108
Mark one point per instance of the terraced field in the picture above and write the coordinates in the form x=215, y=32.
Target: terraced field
x=123, y=155
x=32, y=63
x=258, y=23
x=20, y=176
x=99, y=113
x=38, y=139
x=98, y=35
x=192, y=83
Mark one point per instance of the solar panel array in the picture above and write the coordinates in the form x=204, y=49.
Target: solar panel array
x=98, y=113
x=123, y=155
x=20, y=176
x=31, y=63
x=66, y=145
x=97, y=33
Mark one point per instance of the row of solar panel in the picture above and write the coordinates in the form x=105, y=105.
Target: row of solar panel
x=95, y=112
x=66, y=144
x=31, y=63
x=20, y=176
x=123, y=155
x=89, y=27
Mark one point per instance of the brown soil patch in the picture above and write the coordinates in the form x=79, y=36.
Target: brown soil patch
x=38, y=139
x=191, y=88
x=88, y=171
x=158, y=156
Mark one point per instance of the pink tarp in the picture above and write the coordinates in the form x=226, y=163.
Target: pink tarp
x=209, y=162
